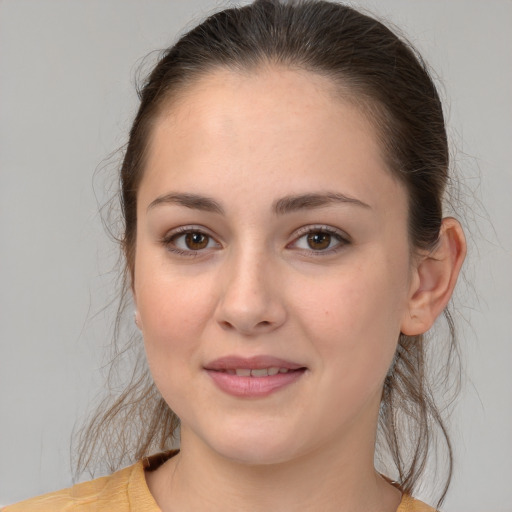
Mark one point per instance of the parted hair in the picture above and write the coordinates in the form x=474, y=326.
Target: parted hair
x=381, y=73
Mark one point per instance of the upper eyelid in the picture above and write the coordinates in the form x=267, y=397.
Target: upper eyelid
x=299, y=231
x=182, y=230
x=168, y=240
x=174, y=233
x=304, y=230
x=296, y=234
x=343, y=239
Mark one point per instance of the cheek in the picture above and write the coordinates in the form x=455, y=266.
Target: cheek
x=354, y=316
x=173, y=309
x=170, y=313
x=172, y=325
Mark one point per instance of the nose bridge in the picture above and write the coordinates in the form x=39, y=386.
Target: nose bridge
x=250, y=300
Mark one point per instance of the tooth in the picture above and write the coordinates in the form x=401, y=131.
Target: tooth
x=263, y=372
x=273, y=371
x=243, y=372
x=230, y=371
x=283, y=370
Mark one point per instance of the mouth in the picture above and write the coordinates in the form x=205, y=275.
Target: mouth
x=254, y=377
x=257, y=372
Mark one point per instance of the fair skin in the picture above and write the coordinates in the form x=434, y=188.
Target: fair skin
x=233, y=260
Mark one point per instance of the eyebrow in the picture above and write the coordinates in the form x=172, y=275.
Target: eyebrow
x=287, y=204
x=290, y=204
x=193, y=201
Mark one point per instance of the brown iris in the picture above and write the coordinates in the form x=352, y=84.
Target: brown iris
x=196, y=241
x=318, y=241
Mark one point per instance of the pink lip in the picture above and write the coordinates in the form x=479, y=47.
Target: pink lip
x=252, y=387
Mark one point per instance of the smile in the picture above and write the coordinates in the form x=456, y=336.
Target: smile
x=256, y=372
x=254, y=377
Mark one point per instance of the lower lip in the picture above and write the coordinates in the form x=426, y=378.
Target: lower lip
x=253, y=387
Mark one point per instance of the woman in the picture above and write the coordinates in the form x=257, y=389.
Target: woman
x=286, y=250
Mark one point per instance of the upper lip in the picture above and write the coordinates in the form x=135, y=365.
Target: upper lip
x=253, y=363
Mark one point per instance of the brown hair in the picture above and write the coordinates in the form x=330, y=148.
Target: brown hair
x=385, y=76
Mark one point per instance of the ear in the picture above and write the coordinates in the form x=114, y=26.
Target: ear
x=136, y=314
x=138, y=321
x=434, y=278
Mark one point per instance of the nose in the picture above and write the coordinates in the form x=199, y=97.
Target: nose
x=251, y=301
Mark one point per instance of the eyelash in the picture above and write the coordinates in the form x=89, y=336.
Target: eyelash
x=342, y=239
x=169, y=240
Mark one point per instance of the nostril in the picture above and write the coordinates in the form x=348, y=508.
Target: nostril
x=226, y=325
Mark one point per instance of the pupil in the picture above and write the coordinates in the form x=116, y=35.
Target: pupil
x=319, y=240
x=196, y=241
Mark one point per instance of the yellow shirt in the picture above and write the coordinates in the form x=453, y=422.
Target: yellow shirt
x=126, y=491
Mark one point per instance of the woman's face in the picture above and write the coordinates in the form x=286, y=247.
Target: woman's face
x=272, y=269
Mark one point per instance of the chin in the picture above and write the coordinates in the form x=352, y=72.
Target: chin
x=251, y=446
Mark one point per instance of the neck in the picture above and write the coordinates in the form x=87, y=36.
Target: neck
x=332, y=478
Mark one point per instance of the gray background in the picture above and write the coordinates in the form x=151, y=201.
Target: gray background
x=66, y=100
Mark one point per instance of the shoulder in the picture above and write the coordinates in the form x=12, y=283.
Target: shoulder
x=409, y=504
x=123, y=491
x=96, y=495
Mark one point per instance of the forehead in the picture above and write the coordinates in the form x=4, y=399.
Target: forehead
x=288, y=103
x=295, y=129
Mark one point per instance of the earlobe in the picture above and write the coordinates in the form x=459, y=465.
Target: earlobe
x=137, y=320
x=434, y=279
x=136, y=314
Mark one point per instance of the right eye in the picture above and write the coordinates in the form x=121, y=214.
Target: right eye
x=189, y=242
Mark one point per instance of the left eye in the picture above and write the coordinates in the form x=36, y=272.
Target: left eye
x=319, y=241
